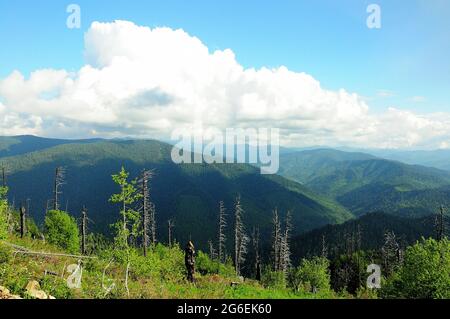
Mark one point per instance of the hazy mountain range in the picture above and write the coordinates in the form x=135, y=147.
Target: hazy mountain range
x=319, y=186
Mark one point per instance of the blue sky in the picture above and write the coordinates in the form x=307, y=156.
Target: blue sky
x=407, y=57
x=404, y=65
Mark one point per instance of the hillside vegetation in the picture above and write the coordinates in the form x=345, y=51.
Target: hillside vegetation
x=122, y=269
x=188, y=194
x=371, y=228
x=363, y=183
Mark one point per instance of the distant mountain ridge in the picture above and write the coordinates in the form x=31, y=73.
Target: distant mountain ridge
x=323, y=186
x=364, y=183
x=188, y=193
x=22, y=144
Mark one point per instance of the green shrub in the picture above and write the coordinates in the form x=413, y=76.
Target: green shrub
x=5, y=254
x=207, y=266
x=312, y=275
x=161, y=262
x=273, y=279
x=56, y=287
x=172, y=262
x=15, y=278
x=425, y=273
x=3, y=213
x=61, y=230
x=32, y=230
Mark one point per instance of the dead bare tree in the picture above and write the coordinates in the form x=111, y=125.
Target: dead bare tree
x=212, y=250
x=285, y=249
x=4, y=176
x=57, y=183
x=170, y=226
x=276, y=240
x=146, y=208
x=324, y=247
x=358, y=241
x=84, y=221
x=240, y=238
x=391, y=253
x=153, y=223
x=222, y=236
x=23, y=225
x=256, y=248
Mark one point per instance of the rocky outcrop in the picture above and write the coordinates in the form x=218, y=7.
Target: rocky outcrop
x=34, y=290
x=5, y=294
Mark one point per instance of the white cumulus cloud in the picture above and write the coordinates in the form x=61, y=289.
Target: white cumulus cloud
x=144, y=82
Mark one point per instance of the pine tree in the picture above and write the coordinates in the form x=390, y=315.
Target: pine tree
x=127, y=197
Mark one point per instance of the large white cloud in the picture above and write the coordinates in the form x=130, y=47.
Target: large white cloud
x=146, y=82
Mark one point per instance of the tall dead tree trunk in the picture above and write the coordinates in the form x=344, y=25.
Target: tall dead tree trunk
x=57, y=183
x=189, y=261
x=148, y=212
x=285, y=248
x=391, y=253
x=212, y=250
x=358, y=248
x=84, y=220
x=146, y=207
x=170, y=226
x=3, y=176
x=240, y=238
x=276, y=240
x=256, y=248
x=23, y=226
x=222, y=237
x=324, y=252
x=153, y=223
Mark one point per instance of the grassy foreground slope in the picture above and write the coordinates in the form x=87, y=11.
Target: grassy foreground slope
x=159, y=275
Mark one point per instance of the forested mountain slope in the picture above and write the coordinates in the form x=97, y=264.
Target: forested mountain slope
x=189, y=193
x=363, y=183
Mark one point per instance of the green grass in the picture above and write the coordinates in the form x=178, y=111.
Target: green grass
x=159, y=275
